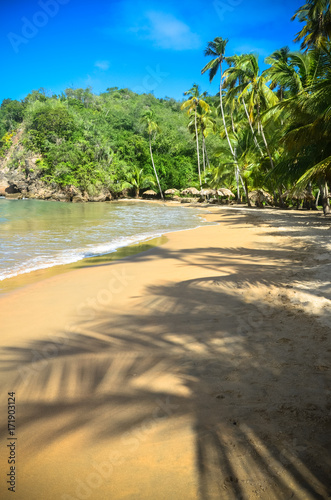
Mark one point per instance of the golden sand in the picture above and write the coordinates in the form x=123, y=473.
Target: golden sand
x=192, y=370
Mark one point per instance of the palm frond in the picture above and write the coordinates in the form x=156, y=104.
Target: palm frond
x=320, y=170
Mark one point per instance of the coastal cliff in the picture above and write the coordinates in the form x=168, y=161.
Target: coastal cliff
x=22, y=177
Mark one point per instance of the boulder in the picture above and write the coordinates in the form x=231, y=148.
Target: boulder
x=103, y=196
x=4, y=188
x=72, y=191
x=14, y=196
x=79, y=199
x=100, y=197
x=47, y=194
x=60, y=197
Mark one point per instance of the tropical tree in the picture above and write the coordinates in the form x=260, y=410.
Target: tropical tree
x=152, y=129
x=253, y=87
x=316, y=14
x=207, y=125
x=280, y=70
x=304, y=113
x=194, y=103
x=204, y=124
x=307, y=138
x=137, y=179
x=233, y=83
x=293, y=73
x=216, y=50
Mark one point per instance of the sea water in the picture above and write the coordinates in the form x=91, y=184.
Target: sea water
x=36, y=234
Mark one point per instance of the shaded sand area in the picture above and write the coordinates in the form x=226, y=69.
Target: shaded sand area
x=199, y=369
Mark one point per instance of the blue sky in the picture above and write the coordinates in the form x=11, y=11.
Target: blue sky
x=143, y=45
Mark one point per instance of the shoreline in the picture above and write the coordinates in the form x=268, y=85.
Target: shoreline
x=22, y=279
x=195, y=368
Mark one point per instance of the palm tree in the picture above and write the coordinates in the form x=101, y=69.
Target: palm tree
x=216, y=49
x=193, y=104
x=280, y=70
x=251, y=168
x=138, y=180
x=205, y=124
x=307, y=137
x=233, y=82
x=295, y=73
x=152, y=128
x=306, y=143
x=317, y=30
x=253, y=87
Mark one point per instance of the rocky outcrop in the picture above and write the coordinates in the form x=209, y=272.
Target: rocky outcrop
x=6, y=188
x=23, y=179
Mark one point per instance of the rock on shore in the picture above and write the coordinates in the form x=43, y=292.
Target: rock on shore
x=24, y=180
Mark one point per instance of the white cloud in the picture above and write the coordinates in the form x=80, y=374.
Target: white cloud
x=167, y=32
x=103, y=65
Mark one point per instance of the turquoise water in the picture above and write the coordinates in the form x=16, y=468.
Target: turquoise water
x=37, y=234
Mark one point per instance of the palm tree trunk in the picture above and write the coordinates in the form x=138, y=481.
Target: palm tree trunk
x=317, y=198
x=227, y=135
x=281, y=203
x=207, y=155
x=157, y=178
x=252, y=130
x=237, y=182
x=232, y=124
x=243, y=184
x=197, y=141
x=264, y=139
x=266, y=146
x=246, y=192
x=325, y=198
x=203, y=156
x=223, y=118
x=310, y=204
x=327, y=201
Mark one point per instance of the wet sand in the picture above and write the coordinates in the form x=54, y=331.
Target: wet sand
x=198, y=369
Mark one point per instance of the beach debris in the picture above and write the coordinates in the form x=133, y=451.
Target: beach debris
x=192, y=190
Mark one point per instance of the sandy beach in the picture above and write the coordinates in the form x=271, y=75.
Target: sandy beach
x=198, y=369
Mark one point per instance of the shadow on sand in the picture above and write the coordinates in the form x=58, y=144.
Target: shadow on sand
x=250, y=372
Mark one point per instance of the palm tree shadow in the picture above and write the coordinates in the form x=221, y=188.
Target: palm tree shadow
x=248, y=377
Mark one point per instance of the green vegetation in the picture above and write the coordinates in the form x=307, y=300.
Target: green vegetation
x=196, y=106
x=90, y=141
x=265, y=131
